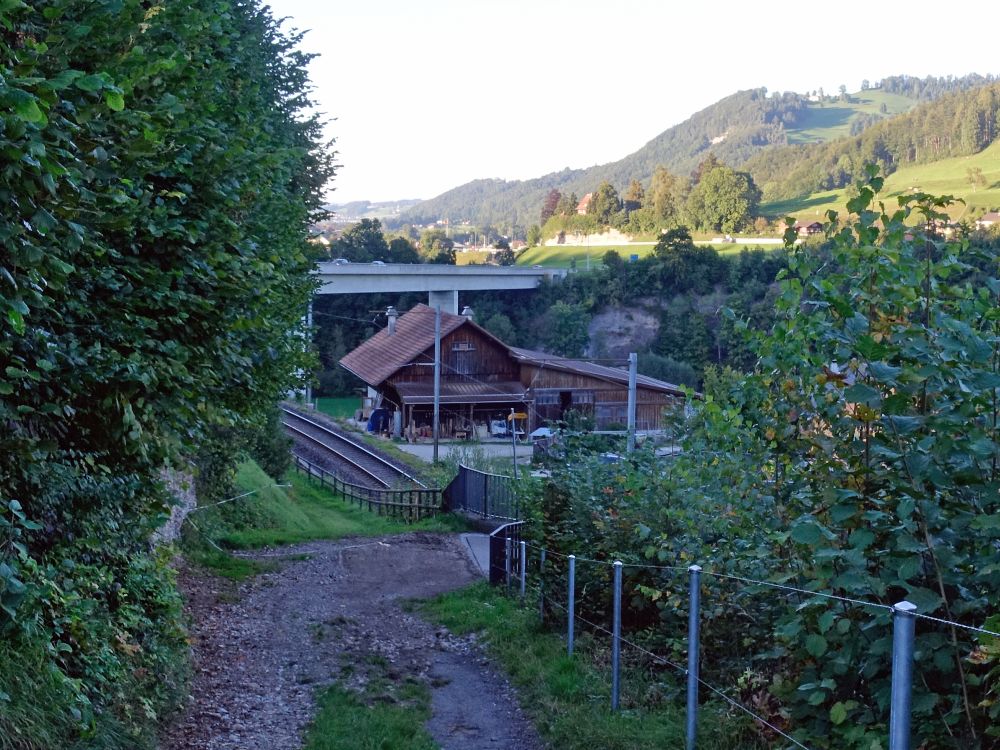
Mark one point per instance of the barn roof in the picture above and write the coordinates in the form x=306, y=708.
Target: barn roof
x=381, y=355
x=581, y=367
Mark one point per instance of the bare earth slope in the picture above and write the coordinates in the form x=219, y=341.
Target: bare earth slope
x=263, y=649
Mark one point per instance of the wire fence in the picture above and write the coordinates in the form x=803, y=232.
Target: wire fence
x=530, y=569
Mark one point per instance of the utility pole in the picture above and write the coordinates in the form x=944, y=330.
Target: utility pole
x=513, y=439
x=633, y=364
x=437, y=378
x=310, y=337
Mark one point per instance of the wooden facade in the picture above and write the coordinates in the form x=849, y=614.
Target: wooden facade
x=483, y=379
x=554, y=392
x=472, y=358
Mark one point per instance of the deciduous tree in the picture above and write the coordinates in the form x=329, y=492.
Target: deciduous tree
x=550, y=205
x=605, y=204
x=362, y=243
x=634, y=196
x=724, y=200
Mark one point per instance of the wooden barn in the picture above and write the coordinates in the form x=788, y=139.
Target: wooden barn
x=482, y=379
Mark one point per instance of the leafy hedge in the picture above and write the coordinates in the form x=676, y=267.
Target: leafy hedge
x=159, y=171
x=860, y=458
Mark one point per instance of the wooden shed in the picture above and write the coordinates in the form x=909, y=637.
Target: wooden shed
x=556, y=385
x=482, y=379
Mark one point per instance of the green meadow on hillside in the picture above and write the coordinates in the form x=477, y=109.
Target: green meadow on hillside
x=827, y=121
x=945, y=177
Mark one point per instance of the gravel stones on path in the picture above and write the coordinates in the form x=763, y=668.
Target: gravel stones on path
x=263, y=649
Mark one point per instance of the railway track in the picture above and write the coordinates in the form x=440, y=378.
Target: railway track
x=339, y=447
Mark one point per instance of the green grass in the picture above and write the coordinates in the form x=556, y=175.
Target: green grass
x=472, y=256
x=944, y=177
x=562, y=256
x=827, y=121
x=387, y=715
x=339, y=407
x=277, y=516
x=569, y=698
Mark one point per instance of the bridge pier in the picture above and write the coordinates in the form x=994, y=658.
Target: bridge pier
x=448, y=300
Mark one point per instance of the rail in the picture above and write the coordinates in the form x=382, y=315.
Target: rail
x=369, y=454
x=410, y=505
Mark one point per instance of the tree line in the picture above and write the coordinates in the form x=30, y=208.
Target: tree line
x=366, y=242
x=714, y=197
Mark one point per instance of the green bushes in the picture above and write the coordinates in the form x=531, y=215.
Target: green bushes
x=159, y=177
x=860, y=458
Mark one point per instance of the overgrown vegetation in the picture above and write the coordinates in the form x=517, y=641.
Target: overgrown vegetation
x=860, y=457
x=160, y=173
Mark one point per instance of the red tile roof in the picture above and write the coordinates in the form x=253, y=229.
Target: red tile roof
x=381, y=355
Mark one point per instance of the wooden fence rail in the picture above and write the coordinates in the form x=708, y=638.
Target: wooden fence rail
x=409, y=505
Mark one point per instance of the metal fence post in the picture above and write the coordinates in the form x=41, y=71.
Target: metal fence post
x=507, y=561
x=541, y=587
x=524, y=567
x=693, y=654
x=616, y=636
x=571, y=605
x=486, y=495
x=903, y=623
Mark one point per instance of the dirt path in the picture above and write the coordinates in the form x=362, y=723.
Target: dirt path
x=262, y=649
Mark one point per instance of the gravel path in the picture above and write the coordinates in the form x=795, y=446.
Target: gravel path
x=262, y=648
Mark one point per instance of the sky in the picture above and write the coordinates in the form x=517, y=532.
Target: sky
x=424, y=95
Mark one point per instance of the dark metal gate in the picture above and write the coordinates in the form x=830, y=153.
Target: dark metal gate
x=505, y=553
x=483, y=494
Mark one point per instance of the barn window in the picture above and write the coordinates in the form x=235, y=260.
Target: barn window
x=583, y=397
x=462, y=357
x=610, y=414
x=547, y=398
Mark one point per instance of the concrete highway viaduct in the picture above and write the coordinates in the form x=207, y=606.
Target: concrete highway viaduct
x=441, y=282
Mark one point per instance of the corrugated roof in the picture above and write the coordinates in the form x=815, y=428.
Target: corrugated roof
x=381, y=355
x=462, y=393
x=580, y=367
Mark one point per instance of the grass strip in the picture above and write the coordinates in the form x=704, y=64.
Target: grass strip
x=275, y=515
x=338, y=407
x=569, y=698
x=382, y=717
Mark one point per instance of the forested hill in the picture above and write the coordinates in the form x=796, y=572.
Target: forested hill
x=958, y=124
x=735, y=129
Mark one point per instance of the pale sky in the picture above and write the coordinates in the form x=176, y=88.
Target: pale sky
x=429, y=94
